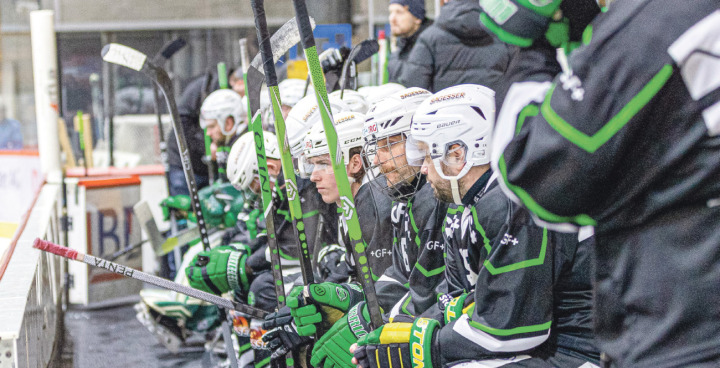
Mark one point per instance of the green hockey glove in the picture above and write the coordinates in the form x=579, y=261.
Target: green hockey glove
x=179, y=202
x=220, y=269
x=456, y=308
x=398, y=344
x=318, y=303
x=333, y=349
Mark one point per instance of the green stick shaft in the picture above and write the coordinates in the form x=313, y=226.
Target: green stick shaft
x=349, y=215
x=222, y=76
x=265, y=187
x=287, y=165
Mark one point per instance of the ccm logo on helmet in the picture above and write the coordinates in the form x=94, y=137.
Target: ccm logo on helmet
x=451, y=96
x=351, y=140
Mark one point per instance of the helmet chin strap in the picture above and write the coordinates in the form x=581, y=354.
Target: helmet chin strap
x=455, y=191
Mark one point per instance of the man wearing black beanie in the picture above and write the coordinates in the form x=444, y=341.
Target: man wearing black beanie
x=407, y=21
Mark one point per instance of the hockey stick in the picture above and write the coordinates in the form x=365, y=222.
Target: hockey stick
x=167, y=51
x=281, y=41
x=358, y=54
x=349, y=215
x=255, y=126
x=287, y=164
x=61, y=251
x=133, y=59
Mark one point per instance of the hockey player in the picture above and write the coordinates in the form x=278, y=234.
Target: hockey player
x=408, y=286
x=373, y=207
x=522, y=293
x=223, y=115
x=375, y=224
x=631, y=147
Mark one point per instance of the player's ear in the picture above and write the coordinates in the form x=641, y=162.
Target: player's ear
x=355, y=165
x=456, y=154
x=273, y=167
x=229, y=123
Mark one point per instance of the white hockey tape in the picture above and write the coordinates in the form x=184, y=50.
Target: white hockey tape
x=125, y=56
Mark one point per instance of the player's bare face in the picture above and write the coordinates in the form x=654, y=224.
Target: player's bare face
x=324, y=179
x=214, y=132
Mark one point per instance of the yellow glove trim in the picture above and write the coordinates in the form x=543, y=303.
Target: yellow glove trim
x=393, y=333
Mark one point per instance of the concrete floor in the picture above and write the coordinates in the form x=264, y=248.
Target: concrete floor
x=112, y=337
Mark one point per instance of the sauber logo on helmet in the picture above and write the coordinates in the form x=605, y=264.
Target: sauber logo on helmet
x=413, y=93
x=451, y=96
x=345, y=119
x=309, y=113
x=448, y=124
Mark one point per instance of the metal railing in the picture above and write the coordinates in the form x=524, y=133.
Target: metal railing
x=31, y=288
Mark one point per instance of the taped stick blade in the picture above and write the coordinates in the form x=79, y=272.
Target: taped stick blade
x=281, y=41
x=122, y=55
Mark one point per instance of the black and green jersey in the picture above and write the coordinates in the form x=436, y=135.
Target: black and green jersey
x=373, y=209
x=529, y=287
x=628, y=140
x=409, y=285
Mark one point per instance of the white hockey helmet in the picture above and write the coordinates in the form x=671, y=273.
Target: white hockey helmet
x=461, y=116
x=292, y=90
x=303, y=116
x=349, y=135
x=354, y=100
x=377, y=93
x=221, y=104
x=298, y=123
x=387, y=118
x=242, y=166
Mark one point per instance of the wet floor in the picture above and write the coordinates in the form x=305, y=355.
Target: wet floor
x=112, y=337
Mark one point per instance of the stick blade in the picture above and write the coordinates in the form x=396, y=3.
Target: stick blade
x=47, y=246
x=122, y=55
x=367, y=49
x=170, y=48
x=281, y=41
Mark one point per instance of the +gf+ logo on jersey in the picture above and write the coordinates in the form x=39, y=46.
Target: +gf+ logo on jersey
x=509, y=239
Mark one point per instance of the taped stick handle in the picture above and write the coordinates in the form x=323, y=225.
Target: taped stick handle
x=258, y=7
x=303, y=20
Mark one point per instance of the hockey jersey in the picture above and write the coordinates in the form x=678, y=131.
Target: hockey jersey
x=373, y=210
x=530, y=287
x=409, y=285
x=628, y=139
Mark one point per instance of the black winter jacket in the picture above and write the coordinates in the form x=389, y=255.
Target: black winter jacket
x=456, y=49
x=397, y=60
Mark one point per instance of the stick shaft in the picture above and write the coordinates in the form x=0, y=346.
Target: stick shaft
x=357, y=245
x=161, y=78
x=145, y=277
x=291, y=186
